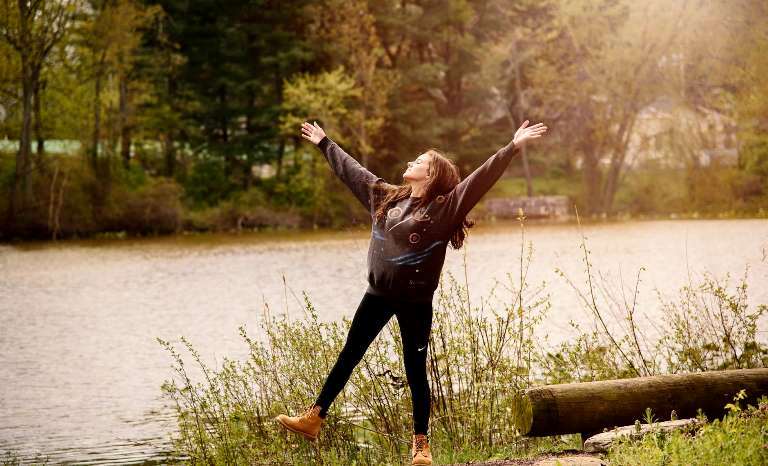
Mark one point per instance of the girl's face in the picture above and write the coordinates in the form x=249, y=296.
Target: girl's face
x=418, y=170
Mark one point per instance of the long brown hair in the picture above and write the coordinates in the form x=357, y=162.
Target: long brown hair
x=443, y=177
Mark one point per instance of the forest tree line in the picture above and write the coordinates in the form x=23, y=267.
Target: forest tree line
x=186, y=113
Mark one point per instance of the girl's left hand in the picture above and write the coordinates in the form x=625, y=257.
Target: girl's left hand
x=525, y=133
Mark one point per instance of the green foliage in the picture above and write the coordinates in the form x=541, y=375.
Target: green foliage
x=153, y=208
x=328, y=98
x=657, y=190
x=325, y=97
x=722, y=189
x=713, y=327
x=248, y=210
x=235, y=56
x=754, y=155
x=7, y=167
x=10, y=459
x=207, y=183
x=740, y=438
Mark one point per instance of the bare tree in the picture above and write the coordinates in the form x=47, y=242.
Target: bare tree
x=613, y=74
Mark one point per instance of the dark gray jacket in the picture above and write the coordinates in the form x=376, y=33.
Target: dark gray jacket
x=407, y=248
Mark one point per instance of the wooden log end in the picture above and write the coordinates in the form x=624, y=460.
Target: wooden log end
x=536, y=412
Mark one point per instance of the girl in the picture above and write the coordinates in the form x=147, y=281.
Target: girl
x=412, y=225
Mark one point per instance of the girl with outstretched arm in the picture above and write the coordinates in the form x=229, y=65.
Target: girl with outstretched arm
x=411, y=226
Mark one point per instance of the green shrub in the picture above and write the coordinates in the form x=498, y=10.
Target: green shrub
x=247, y=210
x=59, y=201
x=153, y=208
x=207, y=183
x=740, y=438
x=754, y=155
x=652, y=190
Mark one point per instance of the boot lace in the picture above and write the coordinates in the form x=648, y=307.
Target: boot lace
x=309, y=412
x=419, y=444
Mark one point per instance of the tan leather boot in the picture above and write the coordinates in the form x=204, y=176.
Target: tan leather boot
x=420, y=451
x=308, y=424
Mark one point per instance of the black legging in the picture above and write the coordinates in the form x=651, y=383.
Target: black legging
x=415, y=320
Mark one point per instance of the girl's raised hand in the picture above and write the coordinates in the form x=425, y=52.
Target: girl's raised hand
x=313, y=133
x=525, y=132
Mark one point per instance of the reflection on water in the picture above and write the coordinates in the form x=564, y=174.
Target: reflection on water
x=81, y=370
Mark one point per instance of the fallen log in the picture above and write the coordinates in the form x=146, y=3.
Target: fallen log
x=588, y=407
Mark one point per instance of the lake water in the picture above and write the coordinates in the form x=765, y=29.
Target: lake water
x=80, y=369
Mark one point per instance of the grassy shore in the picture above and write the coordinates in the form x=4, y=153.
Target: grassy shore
x=480, y=361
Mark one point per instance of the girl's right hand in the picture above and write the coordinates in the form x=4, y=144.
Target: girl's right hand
x=313, y=133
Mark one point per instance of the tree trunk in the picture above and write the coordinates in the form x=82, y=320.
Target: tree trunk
x=38, y=120
x=17, y=195
x=247, y=168
x=109, y=144
x=96, y=121
x=100, y=190
x=169, y=137
x=592, y=180
x=364, y=139
x=296, y=156
x=21, y=174
x=610, y=187
x=520, y=118
x=527, y=171
x=169, y=154
x=280, y=155
x=125, y=127
x=281, y=146
x=229, y=162
x=617, y=161
x=589, y=407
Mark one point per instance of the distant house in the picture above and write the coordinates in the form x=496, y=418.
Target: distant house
x=673, y=134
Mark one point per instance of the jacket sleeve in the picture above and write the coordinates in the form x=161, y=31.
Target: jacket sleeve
x=354, y=175
x=471, y=189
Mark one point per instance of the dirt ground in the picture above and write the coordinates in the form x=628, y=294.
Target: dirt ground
x=566, y=459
